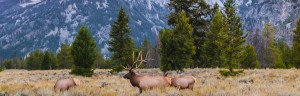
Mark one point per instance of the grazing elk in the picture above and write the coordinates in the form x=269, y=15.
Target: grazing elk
x=144, y=81
x=65, y=84
x=183, y=82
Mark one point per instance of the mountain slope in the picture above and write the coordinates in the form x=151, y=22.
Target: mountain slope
x=46, y=24
x=27, y=25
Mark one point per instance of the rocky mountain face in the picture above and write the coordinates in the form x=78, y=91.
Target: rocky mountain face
x=26, y=25
x=282, y=14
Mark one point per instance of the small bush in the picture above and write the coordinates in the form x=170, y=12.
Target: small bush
x=227, y=73
x=83, y=72
x=116, y=69
x=1, y=69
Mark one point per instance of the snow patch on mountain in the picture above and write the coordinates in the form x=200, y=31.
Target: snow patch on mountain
x=154, y=30
x=212, y=2
x=139, y=22
x=249, y=3
x=32, y=2
x=105, y=4
x=105, y=50
x=52, y=32
x=102, y=5
x=65, y=35
x=85, y=2
x=69, y=12
x=103, y=33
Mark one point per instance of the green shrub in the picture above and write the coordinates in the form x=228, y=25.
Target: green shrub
x=1, y=69
x=116, y=69
x=83, y=71
x=227, y=73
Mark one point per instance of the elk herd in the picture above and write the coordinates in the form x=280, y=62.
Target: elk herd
x=142, y=82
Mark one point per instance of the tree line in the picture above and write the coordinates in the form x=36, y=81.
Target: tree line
x=198, y=36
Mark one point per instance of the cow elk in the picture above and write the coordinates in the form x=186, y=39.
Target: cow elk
x=65, y=84
x=183, y=82
x=144, y=82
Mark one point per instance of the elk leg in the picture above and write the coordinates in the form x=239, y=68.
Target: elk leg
x=191, y=86
x=140, y=90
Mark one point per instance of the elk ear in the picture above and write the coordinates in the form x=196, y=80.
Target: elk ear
x=77, y=82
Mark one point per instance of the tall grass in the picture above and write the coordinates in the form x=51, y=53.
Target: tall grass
x=257, y=82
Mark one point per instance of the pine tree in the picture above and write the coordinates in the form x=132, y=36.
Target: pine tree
x=211, y=47
x=177, y=47
x=100, y=61
x=46, y=61
x=147, y=50
x=195, y=10
x=53, y=61
x=270, y=53
x=296, y=46
x=249, y=58
x=65, y=60
x=234, y=39
x=34, y=60
x=8, y=64
x=215, y=9
x=83, y=51
x=121, y=44
x=257, y=41
x=285, y=54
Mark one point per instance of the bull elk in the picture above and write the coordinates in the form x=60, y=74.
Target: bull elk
x=144, y=82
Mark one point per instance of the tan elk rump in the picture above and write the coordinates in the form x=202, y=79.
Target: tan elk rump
x=66, y=84
x=183, y=82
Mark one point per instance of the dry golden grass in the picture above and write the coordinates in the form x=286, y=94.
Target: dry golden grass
x=258, y=82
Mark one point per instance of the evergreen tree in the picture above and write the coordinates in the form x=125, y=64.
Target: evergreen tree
x=196, y=11
x=279, y=62
x=65, y=60
x=249, y=58
x=34, y=60
x=215, y=9
x=53, y=61
x=21, y=63
x=121, y=44
x=14, y=60
x=296, y=46
x=83, y=51
x=147, y=50
x=270, y=53
x=257, y=41
x=100, y=61
x=234, y=39
x=46, y=61
x=8, y=64
x=211, y=47
x=285, y=54
x=146, y=47
x=177, y=47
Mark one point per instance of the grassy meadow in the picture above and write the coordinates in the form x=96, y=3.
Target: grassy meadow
x=257, y=82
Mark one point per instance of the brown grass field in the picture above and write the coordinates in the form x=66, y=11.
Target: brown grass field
x=257, y=82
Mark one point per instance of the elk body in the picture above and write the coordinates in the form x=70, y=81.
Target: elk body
x=65, y=84
x=146, y=81
x=183, y=82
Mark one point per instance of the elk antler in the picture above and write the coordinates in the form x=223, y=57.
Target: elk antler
x=127, y=68
x=141, y=60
